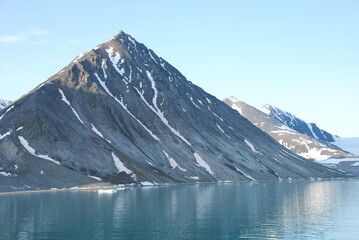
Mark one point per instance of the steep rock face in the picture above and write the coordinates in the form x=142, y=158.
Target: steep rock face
x=121, y=114
x=297, y=124
x=302, y=144
x=4, y=103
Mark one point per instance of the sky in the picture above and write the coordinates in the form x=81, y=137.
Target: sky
x=301, y=56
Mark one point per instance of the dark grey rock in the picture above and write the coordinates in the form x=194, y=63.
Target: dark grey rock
x=297, y=124
x=136, y=121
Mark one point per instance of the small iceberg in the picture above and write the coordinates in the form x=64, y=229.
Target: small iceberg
x=107, y=191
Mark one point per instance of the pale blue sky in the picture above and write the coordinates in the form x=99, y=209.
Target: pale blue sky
x=301, y=56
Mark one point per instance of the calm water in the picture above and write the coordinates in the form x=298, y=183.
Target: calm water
x=282, y=210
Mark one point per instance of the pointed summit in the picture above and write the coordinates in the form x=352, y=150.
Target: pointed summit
x=120, y=35
x=306, y=146
x=121, y=114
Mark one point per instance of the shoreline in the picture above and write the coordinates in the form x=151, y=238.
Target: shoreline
x=117, y=187
x=94, y=188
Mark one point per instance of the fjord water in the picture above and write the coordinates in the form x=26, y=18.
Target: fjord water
x=325, y=209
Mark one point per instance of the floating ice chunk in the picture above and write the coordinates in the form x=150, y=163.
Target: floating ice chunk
x=20, y=128
x=250, y=145
x=173, y=163
x=16, y=167
x=32, y=151
x=202, y=163
x=209, y=101
x=120, y=102
x=147, y=184
x=6, y=134
x=119, y=165
x=64, y=99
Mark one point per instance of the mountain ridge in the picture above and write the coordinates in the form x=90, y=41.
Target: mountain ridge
x=302, y=144
x=298, y=124
x=120, y=114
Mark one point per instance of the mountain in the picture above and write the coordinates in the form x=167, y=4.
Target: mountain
x=302, y=144
x=298, y=124
x=120, y=114
x=4, y=103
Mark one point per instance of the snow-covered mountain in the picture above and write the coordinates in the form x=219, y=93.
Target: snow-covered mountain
x=302, y=144
x=4, y=103
x=298, y=124
x=119, y=113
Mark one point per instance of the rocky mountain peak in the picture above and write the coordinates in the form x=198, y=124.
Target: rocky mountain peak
x=119, y=113
x=297, y=124
x=272, y=123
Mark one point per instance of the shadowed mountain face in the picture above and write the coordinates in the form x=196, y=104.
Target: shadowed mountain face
x=121, y=114
x=297, y=124
x=302, y=144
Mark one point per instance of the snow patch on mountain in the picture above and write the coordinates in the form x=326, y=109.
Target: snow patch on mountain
x=120, y=102
x=99, y=133
x=246, y=175
x=4, y=135
x=219, y=127
x=203, y=163
x=251, y=146
x=119, y=165
x=115, y=58
x=156, y=109
x=64, y=99
x=32, y=151
x=173, y=163
x=8, y=110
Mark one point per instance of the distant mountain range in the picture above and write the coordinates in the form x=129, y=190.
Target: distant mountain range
x=4, y=103
x=120, y=114
x=306, y=140
x=297, y=124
